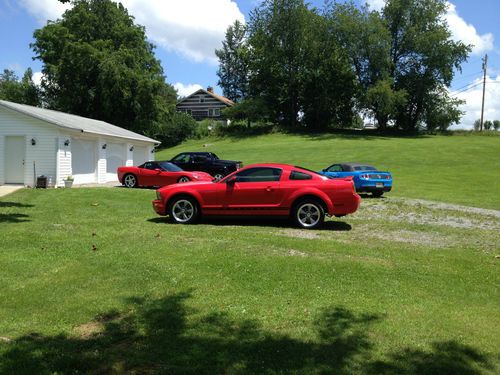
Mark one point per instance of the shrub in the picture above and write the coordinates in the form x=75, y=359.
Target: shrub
x=177, y=128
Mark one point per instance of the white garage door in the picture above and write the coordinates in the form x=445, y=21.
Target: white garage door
x=83, y=161
x=140, y=155
x=115, y=157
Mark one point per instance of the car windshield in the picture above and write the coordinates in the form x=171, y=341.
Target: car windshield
x=364, y=168
x=215, y=156
x=169, y=167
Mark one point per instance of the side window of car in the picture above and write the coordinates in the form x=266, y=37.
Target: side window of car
x=182, y=158
x=296, y=175
x=335, y=168
x=199, y=158
x=149, y=165
x=259, y=175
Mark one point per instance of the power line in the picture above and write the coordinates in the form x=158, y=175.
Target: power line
x=466, y=89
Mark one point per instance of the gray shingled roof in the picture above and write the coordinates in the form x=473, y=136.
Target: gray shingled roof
x=73, y=122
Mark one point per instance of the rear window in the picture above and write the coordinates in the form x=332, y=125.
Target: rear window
x=296, y=175
x=364, y=168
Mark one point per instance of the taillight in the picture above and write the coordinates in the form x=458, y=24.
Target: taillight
x=387, y=177
x=364, y=176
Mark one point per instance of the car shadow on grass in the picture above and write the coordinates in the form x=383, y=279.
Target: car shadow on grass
x=167, y=336
x=245, y=221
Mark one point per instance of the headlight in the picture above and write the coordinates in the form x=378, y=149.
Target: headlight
x=158, y=195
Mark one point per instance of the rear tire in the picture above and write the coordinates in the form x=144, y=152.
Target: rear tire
x=183, y=210
x=130, y=181
x=308, y=214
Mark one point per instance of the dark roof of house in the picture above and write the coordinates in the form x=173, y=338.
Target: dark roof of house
x=221, y=98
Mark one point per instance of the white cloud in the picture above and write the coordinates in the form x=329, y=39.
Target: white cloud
x=467, y=33
x=44, y=10
x=473, y=98
x=193, y=28
x=376, y=4
x=185, y=90
x=37, y=78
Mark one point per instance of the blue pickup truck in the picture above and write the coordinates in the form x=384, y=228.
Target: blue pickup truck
x=367, y=178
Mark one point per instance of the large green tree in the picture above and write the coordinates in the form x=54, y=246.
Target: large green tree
x=233, y=63
x=23, y=91
x=97, y=63
x=297, y=67
x=404, y=59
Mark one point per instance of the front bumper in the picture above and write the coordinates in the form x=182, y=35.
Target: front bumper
x=159, y=207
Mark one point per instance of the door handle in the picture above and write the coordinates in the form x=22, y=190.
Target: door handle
x=269, y=188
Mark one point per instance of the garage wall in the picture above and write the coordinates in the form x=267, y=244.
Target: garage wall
x=43, y=153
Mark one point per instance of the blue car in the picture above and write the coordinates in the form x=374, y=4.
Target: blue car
x=367, y=178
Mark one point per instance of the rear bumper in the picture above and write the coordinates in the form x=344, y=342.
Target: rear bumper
x=371, y=189
x=346, y=207
x=159, y=207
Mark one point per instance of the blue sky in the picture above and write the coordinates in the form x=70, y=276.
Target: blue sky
x=186, y=33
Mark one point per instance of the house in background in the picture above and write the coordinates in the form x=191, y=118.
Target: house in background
x=204, y=104
x=36, y=141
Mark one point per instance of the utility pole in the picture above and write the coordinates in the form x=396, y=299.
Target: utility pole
x=485, y=66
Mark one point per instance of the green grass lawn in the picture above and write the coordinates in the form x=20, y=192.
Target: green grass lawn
x=92, y=281
x=462, y=169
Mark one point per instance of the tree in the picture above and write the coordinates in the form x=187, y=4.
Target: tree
x=404, y=58
x=364, y=36
x=423, y=57
x=477, y=125
x=97, y=63
x=233, y=63
x=251, y=110
x=488, y=125
x=22, y=91
x=496, y=124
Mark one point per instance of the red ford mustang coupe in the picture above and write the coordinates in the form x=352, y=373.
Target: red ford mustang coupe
x=261, y=189
x=158, y=173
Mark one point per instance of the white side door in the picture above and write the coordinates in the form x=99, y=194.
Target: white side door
x=15, y=149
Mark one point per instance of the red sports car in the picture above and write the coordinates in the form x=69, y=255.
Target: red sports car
x=261, y=189
x=157, y=173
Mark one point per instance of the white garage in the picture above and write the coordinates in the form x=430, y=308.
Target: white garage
x=36, y=141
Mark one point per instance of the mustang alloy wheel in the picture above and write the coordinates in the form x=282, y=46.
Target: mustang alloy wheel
x=309, y=214
x=183, y=210
x=130, y=181
x=183, y=179
x=218, y=176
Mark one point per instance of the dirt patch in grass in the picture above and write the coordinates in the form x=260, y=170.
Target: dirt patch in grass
x=298, y=233
x=295, y=253
x=427, y=239
x=88, y=330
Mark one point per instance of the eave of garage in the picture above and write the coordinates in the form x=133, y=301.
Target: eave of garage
x=27, y=111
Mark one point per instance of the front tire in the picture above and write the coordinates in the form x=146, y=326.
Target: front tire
x=308, y=214
x=183, y=210
x=130, y=181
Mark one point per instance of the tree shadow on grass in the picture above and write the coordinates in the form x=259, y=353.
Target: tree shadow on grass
x=13, y=218
x=265, y=221
x=14, y=204
x=167, y=337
